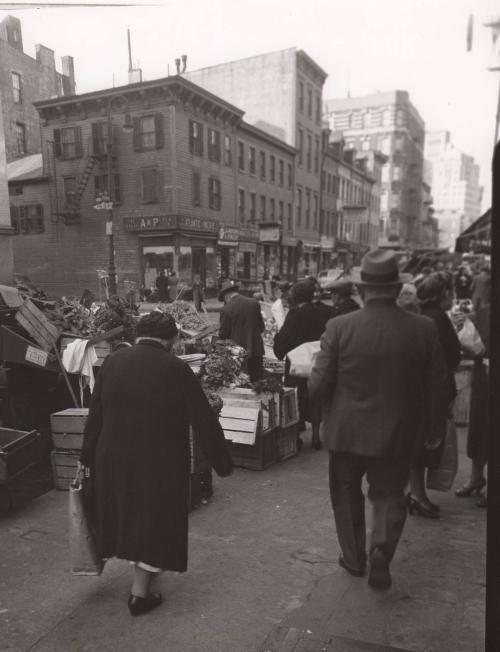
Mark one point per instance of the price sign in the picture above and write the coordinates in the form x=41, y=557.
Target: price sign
x=36, y=356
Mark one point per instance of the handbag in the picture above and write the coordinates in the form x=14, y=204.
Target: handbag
x=82, y=535
x=470, y=340
x=302, y=358
x=442, y=477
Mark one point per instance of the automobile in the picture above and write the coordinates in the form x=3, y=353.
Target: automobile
x=327, y=275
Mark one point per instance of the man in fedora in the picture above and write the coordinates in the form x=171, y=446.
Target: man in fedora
x=382, y=379
x=342, y=290
x=241, y=321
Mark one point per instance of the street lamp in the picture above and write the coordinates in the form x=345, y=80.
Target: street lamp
x=105, y=201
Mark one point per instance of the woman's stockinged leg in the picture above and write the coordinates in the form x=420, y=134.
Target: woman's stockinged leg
x=142, y=580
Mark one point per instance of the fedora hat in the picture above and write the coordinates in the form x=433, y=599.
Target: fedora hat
x=379, y=267
x=227, y=286
x=344, y=280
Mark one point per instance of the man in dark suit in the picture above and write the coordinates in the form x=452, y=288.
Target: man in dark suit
x=241, y=321
x=382, y=377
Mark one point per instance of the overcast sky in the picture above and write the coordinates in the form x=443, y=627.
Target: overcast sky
x=363, y=45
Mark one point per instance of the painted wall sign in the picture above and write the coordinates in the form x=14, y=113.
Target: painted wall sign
x=169, y=223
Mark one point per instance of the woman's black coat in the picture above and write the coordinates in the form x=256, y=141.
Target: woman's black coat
x=137, y=446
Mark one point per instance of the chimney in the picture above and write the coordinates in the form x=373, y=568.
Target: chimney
x=10, y=31
x=45, y=56
x=68, y=68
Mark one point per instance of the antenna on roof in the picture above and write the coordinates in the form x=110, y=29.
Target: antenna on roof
x=134, y=74
x=129, y=51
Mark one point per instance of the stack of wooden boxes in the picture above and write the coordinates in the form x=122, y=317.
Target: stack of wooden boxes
x=287, y=433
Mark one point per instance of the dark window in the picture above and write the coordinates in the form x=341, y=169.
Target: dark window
x=272, y=169
x=69, y=191
x=241, y=204
x=251, y=160
x=308, y=207
x=68, y=142
x=262, y=165
x=214, y=145
x=149, y=185
x=272, y=209
x=228, y=154
x=241, y=156
x=318, y=109
x=195, y=138
x=309, y=151
x=214, y=196
x=315, y=211
x=101, y=186
x=21, y=138
x=148, y=132
x=309, y=103
x=301, y=96
x=300, y=145
x=299, y=207
x=316, y=155
x=253, y=206
x=15, y=190
x=196, y=188
x=281, y=172
x=14, y=217
x=282, y=211
x=100, y=137
x=290, y=176
x=16, y=88
x=290, y=218
x=30, y=219
x=262, y=208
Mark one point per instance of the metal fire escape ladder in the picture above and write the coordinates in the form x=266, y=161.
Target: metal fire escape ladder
x=83, y=179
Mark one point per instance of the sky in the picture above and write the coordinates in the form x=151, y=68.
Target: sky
x=363, y=45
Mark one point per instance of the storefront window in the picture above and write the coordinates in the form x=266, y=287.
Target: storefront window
x=211, y=269
x=154, y=259
x=184, y=271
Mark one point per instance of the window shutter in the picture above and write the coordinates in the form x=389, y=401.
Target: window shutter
x=117, y=193
x=95, y=138
x=78, y=142
x=200, y=141
x=57, y=142
x=137, y=135
x=159, y=139
x=191, y=138
x=14, y=217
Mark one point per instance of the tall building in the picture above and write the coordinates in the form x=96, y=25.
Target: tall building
x=390, y=123
x=454, y=179
x=281, y=93
x=23, y=80
x=6, y=230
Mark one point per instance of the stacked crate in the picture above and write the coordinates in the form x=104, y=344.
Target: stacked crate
x=67, y=429
x=287, y=433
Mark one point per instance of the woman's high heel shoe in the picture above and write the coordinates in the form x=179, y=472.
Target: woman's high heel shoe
x=420, y=508
x=469, y=490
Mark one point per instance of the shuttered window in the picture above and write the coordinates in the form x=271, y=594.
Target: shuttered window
x=27, y=219
x=251, y=160
x=100, y=137
x=196, y=188
x=101, y=186
x=214, y=145
x=228, y=154
x=195, y=138
x=148, y=132
x=69, y=190
x=68, y=142
x=214, y=194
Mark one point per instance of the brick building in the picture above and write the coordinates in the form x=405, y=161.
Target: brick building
x=177, y=187
x=388, y=122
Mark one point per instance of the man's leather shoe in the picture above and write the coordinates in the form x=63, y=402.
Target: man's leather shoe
x=379, y=576
x=351, y=571
x=138, y=605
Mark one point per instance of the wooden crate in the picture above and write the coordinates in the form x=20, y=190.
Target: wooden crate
x=268, y=403
x=64, y=464
x=289, y=407
x=258, y=457
x=19, y=450
x=67, y=428
x=241, y=419
x=102, y=348
x=286, y=442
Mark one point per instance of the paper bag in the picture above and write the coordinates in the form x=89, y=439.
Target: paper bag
x=302, y=358
x=82, y=542
x=470, y=340
x=442, y=477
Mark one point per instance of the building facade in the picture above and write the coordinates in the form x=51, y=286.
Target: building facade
x=390, y=123
x=454, y=179
x=23, y=80
x=181, y=196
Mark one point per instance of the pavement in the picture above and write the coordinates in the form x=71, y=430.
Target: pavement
x=263, y=577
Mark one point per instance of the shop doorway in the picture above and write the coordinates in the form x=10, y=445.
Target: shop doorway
x=199, y=258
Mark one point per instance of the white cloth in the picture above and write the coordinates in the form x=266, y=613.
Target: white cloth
x=279, y=313
x=78, y=358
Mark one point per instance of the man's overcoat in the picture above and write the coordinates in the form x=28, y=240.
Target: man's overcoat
x=137, y=446
x=241, y=321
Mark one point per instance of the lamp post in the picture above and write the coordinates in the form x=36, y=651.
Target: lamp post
x=105, y=201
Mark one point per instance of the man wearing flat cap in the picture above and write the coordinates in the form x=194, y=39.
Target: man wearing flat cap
x=137, y=449
x=381, y=376
x=241, y=321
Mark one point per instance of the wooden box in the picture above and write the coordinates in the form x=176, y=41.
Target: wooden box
x=67, y=428
x=19, y=450
x=289, y=406
x=268, y=403
x=286, y=442
x=102, y=348
x=64, y=465
x=241, y=419
x=258, y=457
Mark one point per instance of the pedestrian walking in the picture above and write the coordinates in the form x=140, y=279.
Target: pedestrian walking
x=162, y=286
x=241, y=321
x=435, y=295
x=280, y=307
x=198, y=292
x=304, y=323
x=137, y=448
x=173, y=282
x=381, y=375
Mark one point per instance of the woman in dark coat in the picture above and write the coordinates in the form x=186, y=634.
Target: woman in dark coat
x=137, y=449
x=435, y=294
x=305, y=322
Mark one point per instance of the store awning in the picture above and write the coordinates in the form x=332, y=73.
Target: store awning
x=477, y=237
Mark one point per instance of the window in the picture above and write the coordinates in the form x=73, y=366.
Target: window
x=69, y=191
x=253, y=206
x=27, y=219
x=196, y=188
x=241, y=204
x=148, y=132
x=396, y=173
x=299, y=207
x=99, y=137
x=290, y=219
x=149, y=185
x=272, y=169
x=251, y=160
x=308, y=207
x=195, y=138
x=315, y=223
x=281, y=172
x=15, y=190
x=316, y=155
x=16, y=88
x=101, y=185
x=309, y=152
x=301, y=96
x=21, y=139
x=262, y=208
x=272, y=209
x=328, y=182
x=263, y=165
x=68, y=142
x=214, y=145
x=300, y=145
x=241, y=156
x=214, y=196
x=318, y=109
x=290, y=176
x=309, y=103
x=281, y=215
x=228, y=154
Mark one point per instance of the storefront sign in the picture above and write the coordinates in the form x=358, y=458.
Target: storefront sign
x=248, y=247
x=170, y=222
x=327, y=244
x=310, y=247
x=249, y=233
x=228, y=236
x=269, y=234
x=289, y=242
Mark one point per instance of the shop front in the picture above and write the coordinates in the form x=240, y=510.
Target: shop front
x=227, y=252
x=288, y=258
x=176, y=243
x=246, y=256
x=327, y=256
x=310, y=260
x=269, y=251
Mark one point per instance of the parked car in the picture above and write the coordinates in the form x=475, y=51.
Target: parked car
x=327, y=275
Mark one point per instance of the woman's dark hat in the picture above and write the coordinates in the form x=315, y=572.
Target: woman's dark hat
x=379, y=267
x=227, y=286
x=302, y=292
